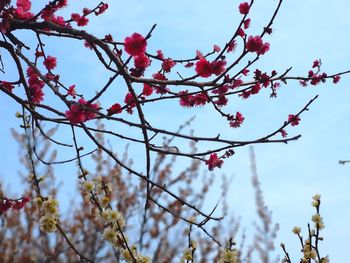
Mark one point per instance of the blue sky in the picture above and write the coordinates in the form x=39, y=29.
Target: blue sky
x=290, y=174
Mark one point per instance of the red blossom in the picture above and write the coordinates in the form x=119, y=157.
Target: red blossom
x=61, y=3
x=283, y=133
x=47, y=13
x=185, y=100
x=244, y=8
x=159, y=76
x=114, y=109
x=18, y=205
x=5, y=23
x=245, y=72
x=83, y=21
x=129, y=99
x=37, y=95
x=21, y=13
x=89, y=109
x=232, y=46
x=200, y=99
x=268, y=30
x=316, y=63
x=336, y=79
x=160, y=54
x=203, y=68
x=199, y=54
x=293, y=119
x=263, y=78
x=39, y=53
x=89, y=45
x=303, y=83
x=102, y=8
x=52, y=77
x=218, y=67
x=86, y=11
x=147, y=90
x=214, y=161
x=221, y=90
x=245, y=94
x=256, y=88
x=59, y=20
x=75, y=114
x=34, y=80
x=50, y=62
x=142, y=61
x=23, y=8
x=35, y=86
x=255, y=44
x=236, y=83
x=161, y=89
x=81, y=111
x=75, y=17
x=130, y=102
x=137, y=72
x=246, y=23
x=24, y=4
x=108, y=38
x=7, y=85
x=71, y=91
x=216, y=48
x=6, y=204
x=236, y=121
x=168, y=64
x=240, y=32
x=30, y=71
x=135, y=45
x=316, y=79
x=221, y=101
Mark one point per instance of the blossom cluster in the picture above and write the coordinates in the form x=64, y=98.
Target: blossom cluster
x=188, y=253
x=48, y=214
x=187, y=100
x=310, y=250
x=23, y=12
x=256, y=45
x=135, y=45
x=35, y=85
x=23, y=9
x=134, y=256
x=113, y=220
x=114, y=225
x=81, y=111
x=205, y=69
x=237, y=120
x=315, y=77
x=113, y=233
x=6, y=204
x=229, y=256
x=99, y=188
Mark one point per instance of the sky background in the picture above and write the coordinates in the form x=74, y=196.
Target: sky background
x=290, y=174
